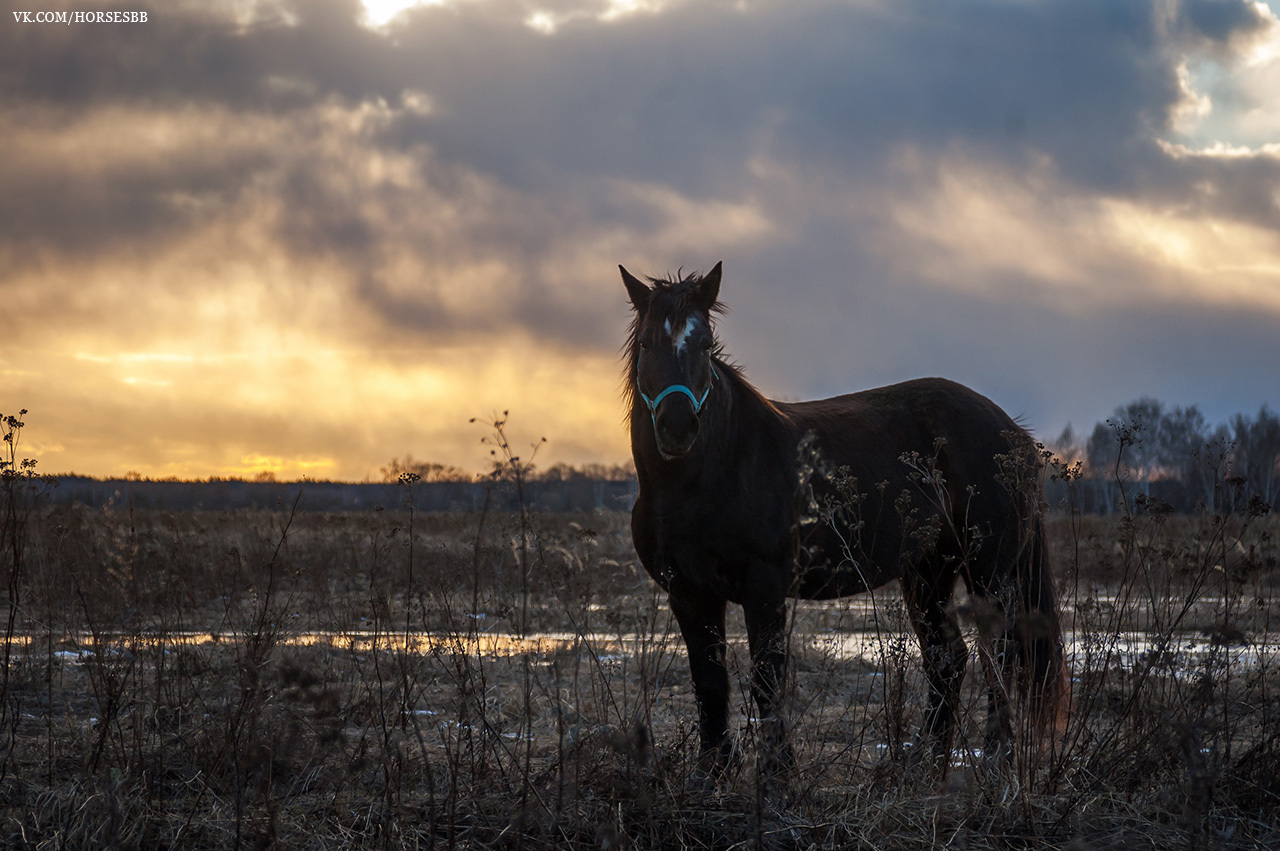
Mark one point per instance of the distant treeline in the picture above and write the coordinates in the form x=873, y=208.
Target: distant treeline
x=580, y=494
x=1171, y=456
x=1167, y=456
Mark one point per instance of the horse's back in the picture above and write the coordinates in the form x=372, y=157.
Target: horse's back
x=885, y=422
x=881, y=438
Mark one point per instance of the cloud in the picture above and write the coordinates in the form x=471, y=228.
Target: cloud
x=302, y=200
x=987, y=227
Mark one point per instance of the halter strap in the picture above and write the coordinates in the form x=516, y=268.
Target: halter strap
x=677, y=388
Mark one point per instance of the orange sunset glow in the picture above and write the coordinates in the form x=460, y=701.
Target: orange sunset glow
x=306, y=238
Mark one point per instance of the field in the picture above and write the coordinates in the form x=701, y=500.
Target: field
x=395, y=679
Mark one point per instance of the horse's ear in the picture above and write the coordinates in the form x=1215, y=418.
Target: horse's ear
x=636, y=289
x=709, y=287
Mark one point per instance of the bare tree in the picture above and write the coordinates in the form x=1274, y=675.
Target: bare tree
x=1143, y=419
x=1181, y=439
x=1102, y=457
x=1257, y=453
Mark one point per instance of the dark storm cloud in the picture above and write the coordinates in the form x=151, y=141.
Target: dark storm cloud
x=687, y=99
x=687, y=96
x=684, y=98
x=1218, y=20
x=189, y=52
x=53, y=203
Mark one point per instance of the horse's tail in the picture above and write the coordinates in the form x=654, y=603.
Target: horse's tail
x=1035, y=632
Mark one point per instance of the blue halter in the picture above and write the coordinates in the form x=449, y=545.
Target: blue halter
x=676, y=388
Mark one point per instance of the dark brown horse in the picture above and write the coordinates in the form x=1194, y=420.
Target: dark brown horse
x=750, y=501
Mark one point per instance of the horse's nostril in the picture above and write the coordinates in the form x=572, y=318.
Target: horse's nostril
x=667, y=430
x=676, y=427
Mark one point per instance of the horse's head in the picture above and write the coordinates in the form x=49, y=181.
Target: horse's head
x=670, y=356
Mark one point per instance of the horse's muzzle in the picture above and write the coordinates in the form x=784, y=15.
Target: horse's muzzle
x=675, y=427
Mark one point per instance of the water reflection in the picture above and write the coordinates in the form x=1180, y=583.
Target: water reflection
x=1086, y=649
x=1091, y=648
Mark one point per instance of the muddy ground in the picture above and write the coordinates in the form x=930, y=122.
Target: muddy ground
x=257, y=679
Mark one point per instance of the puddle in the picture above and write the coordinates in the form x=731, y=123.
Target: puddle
x=1181, y=652
x=607, y=648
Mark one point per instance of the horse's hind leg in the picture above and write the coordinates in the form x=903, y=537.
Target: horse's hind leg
x=999, y=718
x=928, y=598
x=765, y=614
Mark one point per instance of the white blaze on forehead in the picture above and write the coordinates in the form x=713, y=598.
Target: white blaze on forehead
x=681, y=337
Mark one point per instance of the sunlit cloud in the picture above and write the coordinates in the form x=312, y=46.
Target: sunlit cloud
x=688, y=225
x=548, y=21
x=379, y=13
x=1193, y=107
x=616, y=10
x=1202, y=259
x=987, y=220
x=1221, y=150
x=1243, y=71
x=986, y=226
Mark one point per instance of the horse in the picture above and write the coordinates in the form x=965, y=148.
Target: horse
x=751, y=501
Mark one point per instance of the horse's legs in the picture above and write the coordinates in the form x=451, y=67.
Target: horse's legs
x=999, y=733
x=701, y=622
x=992, y=603
x=928, y=597
x=766, y=618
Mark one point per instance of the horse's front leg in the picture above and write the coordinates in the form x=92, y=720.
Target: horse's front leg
x=701, y=619
x=765, y=612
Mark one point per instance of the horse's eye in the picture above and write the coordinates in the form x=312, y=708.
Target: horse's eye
x=644, y=347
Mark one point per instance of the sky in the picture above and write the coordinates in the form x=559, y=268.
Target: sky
x=306, y=238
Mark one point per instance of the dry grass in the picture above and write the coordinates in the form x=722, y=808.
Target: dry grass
x=220, y=680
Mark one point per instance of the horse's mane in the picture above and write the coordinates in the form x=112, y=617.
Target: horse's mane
x=674, y=295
